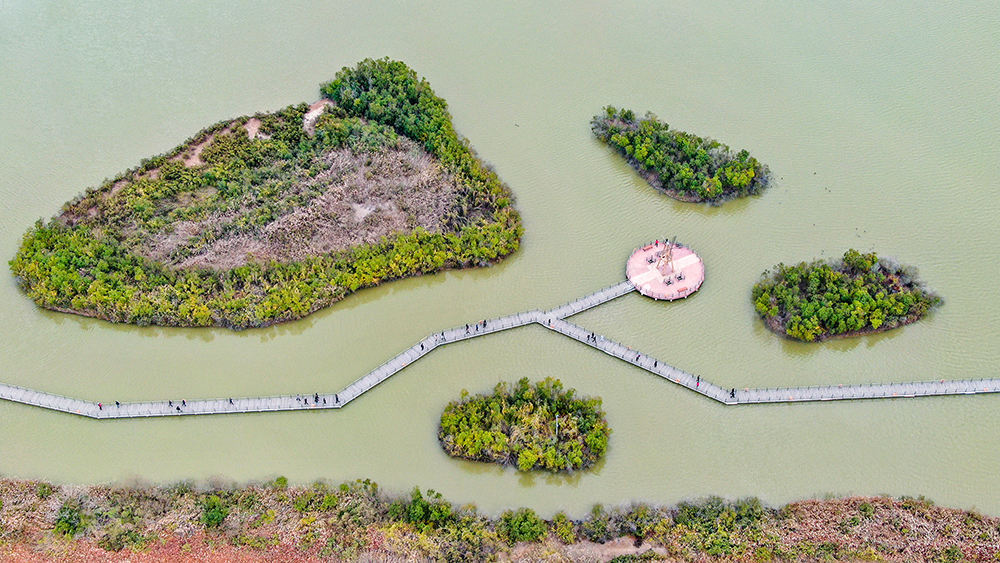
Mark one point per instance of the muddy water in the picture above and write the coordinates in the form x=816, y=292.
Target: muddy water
x=879, y=123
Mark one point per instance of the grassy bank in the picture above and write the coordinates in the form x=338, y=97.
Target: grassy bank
x=358, y=521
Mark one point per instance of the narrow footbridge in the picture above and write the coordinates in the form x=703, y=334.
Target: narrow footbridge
x=553, y=319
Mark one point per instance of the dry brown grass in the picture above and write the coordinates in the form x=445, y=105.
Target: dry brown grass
x=363, y=198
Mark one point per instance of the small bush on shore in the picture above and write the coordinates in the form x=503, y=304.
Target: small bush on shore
x=214, y=511
x=521, y=525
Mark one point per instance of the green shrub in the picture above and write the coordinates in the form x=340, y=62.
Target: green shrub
x=564, y=528
x=45, y=490
x=303, y=501
x=214, y=511
x=70, y=521
x=281, y=482
x=521, y=525
x=329, y=502
x=430, y=512
x=598, y=527
x=117, y=538
x=866, y=510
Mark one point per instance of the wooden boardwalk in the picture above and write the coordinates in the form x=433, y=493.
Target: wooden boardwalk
x=552, y=319
x=748, y=396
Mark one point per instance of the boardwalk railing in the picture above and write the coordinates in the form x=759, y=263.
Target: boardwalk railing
x=552, y=319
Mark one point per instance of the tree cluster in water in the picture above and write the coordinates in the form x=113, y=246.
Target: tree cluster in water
x=538, y=426
x=860, y=294
x=689, y=167
x=86, y=261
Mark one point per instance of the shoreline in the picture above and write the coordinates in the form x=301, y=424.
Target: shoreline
x=273, y=521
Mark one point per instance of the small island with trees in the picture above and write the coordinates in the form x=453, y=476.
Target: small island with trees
x=860, y=294
x=267, y=218
x=529, y=426
x=684, y=166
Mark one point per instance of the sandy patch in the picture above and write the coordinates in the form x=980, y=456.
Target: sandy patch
x=315, y=110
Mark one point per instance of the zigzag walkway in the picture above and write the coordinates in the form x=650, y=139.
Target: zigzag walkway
x=551, y=319
x=774, y=394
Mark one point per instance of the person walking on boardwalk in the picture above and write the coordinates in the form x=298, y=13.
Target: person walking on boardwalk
x=698, y=382
x=336, y=399
x=100, y=406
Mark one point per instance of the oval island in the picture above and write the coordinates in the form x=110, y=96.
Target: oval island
x=537, y=426
x=683, y=166
x=268, y=218
x=860, y=294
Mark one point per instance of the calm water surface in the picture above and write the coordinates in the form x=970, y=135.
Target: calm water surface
x=879, y=122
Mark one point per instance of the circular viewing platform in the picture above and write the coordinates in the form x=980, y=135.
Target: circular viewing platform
x=665, y=270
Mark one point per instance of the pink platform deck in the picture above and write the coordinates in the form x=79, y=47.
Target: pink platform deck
x=669, y=283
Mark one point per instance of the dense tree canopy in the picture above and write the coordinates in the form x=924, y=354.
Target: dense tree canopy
x=88, y=260
x=538, y=426
x=686, y=166
x=858, y=295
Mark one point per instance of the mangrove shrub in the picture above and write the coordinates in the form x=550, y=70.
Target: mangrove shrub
x=686, y=166
x=857, y=295
x=529, y=426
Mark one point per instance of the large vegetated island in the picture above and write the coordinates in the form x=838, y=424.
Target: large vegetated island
x=268, y=218
x=538, y=426
x=684, y=166
x=860, y=294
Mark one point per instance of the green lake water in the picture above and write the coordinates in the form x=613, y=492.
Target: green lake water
x=879, y=121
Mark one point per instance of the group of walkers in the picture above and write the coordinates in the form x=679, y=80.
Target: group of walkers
x=475, y=327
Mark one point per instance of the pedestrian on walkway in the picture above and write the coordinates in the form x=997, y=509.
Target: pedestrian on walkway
x=336, y=399
x=184, y=403
x=117, y=404
x=100, y=406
